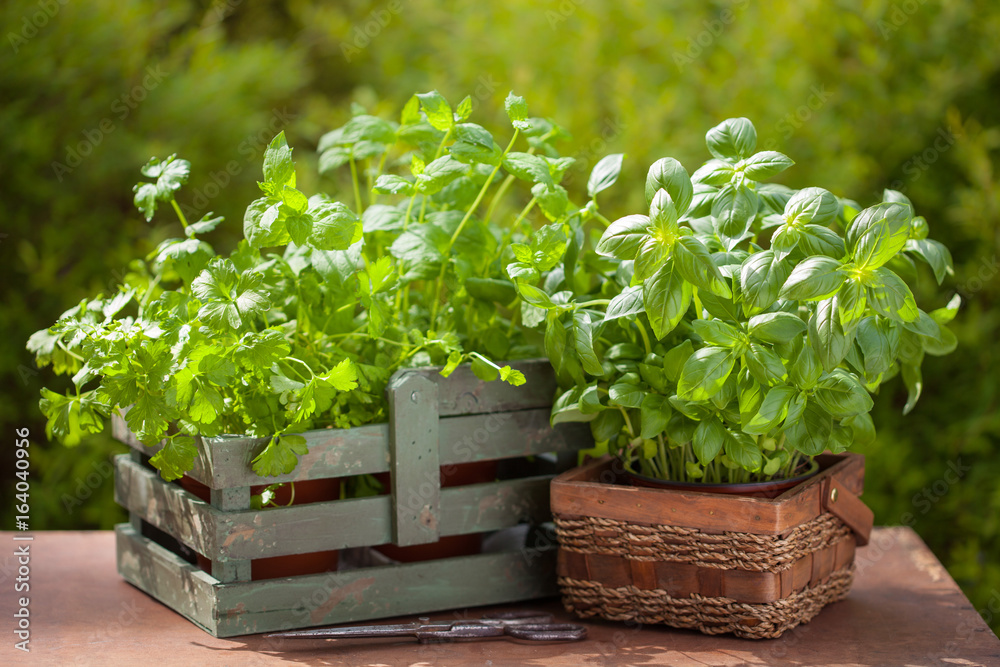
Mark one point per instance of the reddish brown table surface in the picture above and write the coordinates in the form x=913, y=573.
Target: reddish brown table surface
x=904, y=609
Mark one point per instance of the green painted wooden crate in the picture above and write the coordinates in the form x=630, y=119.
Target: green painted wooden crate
x=434, y=422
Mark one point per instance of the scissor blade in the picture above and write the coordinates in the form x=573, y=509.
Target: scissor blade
x=365, y=631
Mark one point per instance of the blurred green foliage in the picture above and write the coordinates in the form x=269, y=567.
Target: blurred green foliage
x=864, y=95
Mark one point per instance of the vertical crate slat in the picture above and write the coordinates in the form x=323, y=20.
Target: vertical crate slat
x=434, y=423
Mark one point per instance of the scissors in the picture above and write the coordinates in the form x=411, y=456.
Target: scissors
x=533, y=626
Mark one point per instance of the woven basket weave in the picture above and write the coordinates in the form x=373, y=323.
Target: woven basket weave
x=667, y=557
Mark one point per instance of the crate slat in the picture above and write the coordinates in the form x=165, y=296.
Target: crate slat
x=167, y=577
x=415, y=464
x=383, y=592
x=233, y=609
x=224, y=462
x=462, y=393
x=340, y=524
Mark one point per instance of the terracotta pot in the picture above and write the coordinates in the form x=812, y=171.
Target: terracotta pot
x=277, y=567
x=450, y=546
x=771, y=489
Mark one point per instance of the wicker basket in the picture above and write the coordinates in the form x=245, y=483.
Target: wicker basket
x=754, y=567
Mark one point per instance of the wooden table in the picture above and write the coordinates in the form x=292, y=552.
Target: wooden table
x=904, y=610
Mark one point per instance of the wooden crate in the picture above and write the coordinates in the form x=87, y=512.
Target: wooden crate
x=434, y=422
x=717, y=563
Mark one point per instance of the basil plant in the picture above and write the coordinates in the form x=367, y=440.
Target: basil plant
x=738, y=328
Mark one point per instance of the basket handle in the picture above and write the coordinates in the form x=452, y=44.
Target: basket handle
x=840, y=502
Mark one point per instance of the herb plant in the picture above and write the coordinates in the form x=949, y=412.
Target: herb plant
x=302, y=324
x=738, y=328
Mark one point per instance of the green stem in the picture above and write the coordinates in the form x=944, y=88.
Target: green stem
x=311, y=374
x=628, y=422
x=437, y=154
x=645, y=337
x=357, y=185
x=368, y=180
x=498, y=195
x=406, y=218
x=71, y=353
x=595, y=302
x=381, y=166
x=436, y=296
x=509, y=232
x=604, y=221
x=482, y=193
x=149, y=292
x=180, y=214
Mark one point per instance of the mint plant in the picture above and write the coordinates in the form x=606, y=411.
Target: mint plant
x=302, y=324
x=738, y=328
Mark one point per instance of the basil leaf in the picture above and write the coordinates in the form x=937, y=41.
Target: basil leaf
x=734, y=209
x=776, y=327
x=813, y=279
x=629, y=302
x=583, y=341
x=665, y=297
x=879, y=342
x=828, y=337
x=670, y=175
x=704, y=373
x=718, y=333
x=733, y=138
x=811, y=205
x=626, y=395
x=935, y=254
x=655, y=415
x=761, y=277
x=624, y=236
x=914, y=382
x=773, y=409
x=840, y=393
x=765, y=365
x=743, y=450
x=890, y=297
x=811, y=434
x=604, y=174
x=766, y=164
x=708, y=440
x=694, y=262
x=878, y=233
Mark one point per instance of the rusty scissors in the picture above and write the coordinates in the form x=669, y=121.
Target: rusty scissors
x=529, y=625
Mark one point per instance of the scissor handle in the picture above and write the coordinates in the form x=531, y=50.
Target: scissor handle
x=515, y=618
x=548, y=632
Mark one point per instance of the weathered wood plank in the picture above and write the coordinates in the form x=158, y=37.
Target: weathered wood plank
x=478, y=508
x=415, y=464
x=462, y=393
x=382, y=592
x=340, y=524
x=508, y=434
x=231, y=500
x=225, y=462
x=168, y=578
x=166, y=506
x=590, y=491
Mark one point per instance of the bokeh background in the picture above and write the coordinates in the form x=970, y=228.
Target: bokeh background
x=862, y=95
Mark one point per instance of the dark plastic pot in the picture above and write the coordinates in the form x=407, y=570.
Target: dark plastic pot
x=771, y=489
